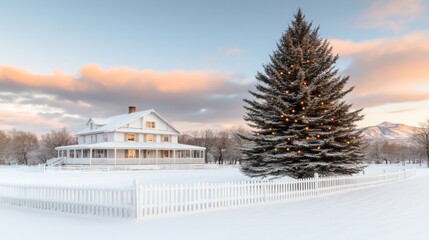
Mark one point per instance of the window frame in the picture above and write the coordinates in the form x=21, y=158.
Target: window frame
x=150, y=125
x=134, y=138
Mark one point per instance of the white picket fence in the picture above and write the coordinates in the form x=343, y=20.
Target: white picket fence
x=159, y=199
x=95, y=200
x=143, y=200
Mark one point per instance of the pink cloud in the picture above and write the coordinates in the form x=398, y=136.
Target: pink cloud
x=93, y=77
x=390, y=14
x=388, y=70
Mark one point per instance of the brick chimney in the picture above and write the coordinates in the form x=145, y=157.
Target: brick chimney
x=131, y=109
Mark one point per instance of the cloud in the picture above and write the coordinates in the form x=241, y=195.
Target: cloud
x=66, y=100
x=223, y=53
x=387, y=70
x=390, y=14
x=232, y=51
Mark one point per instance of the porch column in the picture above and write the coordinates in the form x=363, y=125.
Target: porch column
x=190, y=153
x=174, y=156
x=90, y=156
x=115, y=156
x=81, y=154
x=156, y=156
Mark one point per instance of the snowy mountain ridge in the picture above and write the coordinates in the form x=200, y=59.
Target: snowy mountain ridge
x=387, y=131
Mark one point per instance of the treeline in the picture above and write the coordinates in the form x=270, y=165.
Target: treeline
x=222, y=146
x=390, y=152
x=21, y=147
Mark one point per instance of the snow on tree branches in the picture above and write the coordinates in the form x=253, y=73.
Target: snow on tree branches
x=300, y=123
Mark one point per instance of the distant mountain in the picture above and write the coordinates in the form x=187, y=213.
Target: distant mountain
x=386, y=131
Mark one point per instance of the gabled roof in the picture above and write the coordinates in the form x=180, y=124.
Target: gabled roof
x=112, y=123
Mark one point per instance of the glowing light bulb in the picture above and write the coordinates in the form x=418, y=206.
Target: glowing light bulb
x=287, y=149
x=318, y=147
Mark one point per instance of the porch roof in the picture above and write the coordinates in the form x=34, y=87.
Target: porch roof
x=132, y=145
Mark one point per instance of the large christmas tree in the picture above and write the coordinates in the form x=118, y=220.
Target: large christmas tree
x=301, y=124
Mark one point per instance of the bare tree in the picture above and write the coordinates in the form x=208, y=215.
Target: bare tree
x=4, y=146
x=208, y=140
x=221, y=145
x=54, y=139
x=421, y=136
x=235, y=154
x=21, y=145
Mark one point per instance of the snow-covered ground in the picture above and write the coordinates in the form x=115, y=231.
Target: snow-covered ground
x=395, y=211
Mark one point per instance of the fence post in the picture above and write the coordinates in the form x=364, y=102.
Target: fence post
x=316, y=179
x=136, y=198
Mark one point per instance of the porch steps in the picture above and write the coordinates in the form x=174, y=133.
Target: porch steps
x=55, y=161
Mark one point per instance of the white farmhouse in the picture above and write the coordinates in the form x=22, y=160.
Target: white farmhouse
x=135, y=138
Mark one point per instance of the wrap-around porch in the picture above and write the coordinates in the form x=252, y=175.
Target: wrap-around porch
x=100, y=154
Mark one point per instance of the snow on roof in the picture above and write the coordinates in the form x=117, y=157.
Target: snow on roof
x=112, y=123
x=132, y=145
x=100, y=121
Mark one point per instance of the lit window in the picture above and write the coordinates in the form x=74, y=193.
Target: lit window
x=149, y=138
x=165, y=154
x=131, y=137
x=166, y=139
x=132, y=154
x=150, y=124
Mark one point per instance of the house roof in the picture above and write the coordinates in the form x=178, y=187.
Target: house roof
x=132, y=145
x=112, y=123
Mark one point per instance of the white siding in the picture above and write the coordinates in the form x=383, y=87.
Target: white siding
x=174, y=139
x=136, y=124
x=111, y=137
x=119, y=137
x=80, y=140
x=100, y=138
x=159, y=124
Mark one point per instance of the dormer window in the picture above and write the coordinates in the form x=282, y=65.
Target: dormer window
x=131, y=137
x=150, y=124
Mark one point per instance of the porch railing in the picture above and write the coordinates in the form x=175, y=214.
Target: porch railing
x=132, y=161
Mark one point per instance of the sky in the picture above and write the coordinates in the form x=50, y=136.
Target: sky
x=62, y=62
